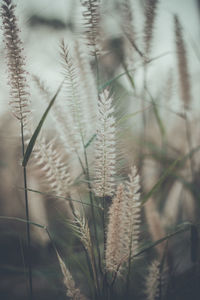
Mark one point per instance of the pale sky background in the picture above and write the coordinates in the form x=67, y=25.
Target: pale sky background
x=42, y=45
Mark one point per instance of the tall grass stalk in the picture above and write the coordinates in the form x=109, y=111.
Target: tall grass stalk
x=184, y=82
x=27, y=218
x=19, y=97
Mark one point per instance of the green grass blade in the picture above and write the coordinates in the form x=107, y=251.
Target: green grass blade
x=90, y=141
x=169, y=170
x=128, y=116
x=157, y=115
x=107, y=83
x=128, y=75
x=57, y=197
x=22, y=220
x=31, y=144
x=180, y=229
x=160, y=181
x=158, y=118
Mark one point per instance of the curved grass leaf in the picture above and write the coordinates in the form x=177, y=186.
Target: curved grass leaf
x=57, y=197
x=90, y=141
x=181, y=228
x=107, y=83
x=157, y=115
x=169, y=170
x=128, y=116
x=22, y=220
x=32, y=141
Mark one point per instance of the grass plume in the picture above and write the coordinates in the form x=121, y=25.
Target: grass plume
x=150, y=14
x=19, y=93
x=105, y=168
x=91, y=15
x=184, y=79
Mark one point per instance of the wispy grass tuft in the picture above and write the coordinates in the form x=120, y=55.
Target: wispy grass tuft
x=183, y=68
x=105, y=166
x=72, y=292
x=54, y=170
x=150, y=14
x=153, y=281
x=116, y=232
x=91, y=15
x=124, y=224
x=19, y=89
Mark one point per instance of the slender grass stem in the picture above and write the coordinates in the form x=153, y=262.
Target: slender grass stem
x=104, y=228
x=27, y=216
x=92, y=208
x=24, y=264
x=189, y=142
x=144, y=98
x=97, y=69
x=105, y=283
x=59, y=197
x=129, y=264
x=93, y=214
x=128, y=75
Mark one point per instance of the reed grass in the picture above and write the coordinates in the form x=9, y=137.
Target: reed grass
x=116, y=240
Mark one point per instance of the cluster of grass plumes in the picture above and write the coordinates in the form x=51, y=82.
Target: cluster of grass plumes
x=123, y=222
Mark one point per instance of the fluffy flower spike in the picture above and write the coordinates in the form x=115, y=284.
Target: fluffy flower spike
x=19, y=89
x=105, y=148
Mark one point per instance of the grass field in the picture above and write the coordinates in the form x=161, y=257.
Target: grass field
x=99, y=156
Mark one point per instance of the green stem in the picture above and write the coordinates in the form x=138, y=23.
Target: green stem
x=189, y=142
x=128, y=75
x=27, y=216
x=93, y=215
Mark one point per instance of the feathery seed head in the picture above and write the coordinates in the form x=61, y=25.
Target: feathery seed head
x=124, y=223
x=56, y=173
x=133, y=210
x=150, y=14
x=127, y=18
x=185, y=87
x=156, y=280
x=15, y=61
x=81, y=90
x=91, y=17
x=81, y=228
x=105, y=163
x=115, y=234
x=153, y=281
x=72, y=292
